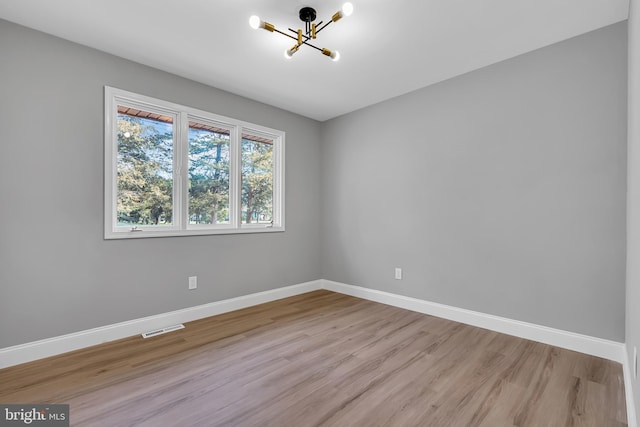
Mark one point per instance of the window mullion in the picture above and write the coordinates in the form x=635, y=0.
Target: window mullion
x=182, y=171
x=234, y=171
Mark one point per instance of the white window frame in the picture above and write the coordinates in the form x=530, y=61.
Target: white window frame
x=180, y=218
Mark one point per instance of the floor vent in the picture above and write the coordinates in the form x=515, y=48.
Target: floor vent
x=162, y=331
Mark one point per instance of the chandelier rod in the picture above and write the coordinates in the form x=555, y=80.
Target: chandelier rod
x=324, y=26
x=306, y=42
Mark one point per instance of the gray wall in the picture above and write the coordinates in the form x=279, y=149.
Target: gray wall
x=57, y=274
x=633, y=197
x=500, y=191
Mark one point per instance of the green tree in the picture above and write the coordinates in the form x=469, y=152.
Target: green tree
x=145, y=175
x=257, y=181
x=208, y=177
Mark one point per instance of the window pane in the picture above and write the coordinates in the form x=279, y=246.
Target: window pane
x=145, y=168
x=208, y=174
x=257, y=179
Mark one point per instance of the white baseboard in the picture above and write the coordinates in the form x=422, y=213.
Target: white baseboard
x=582, y=343
x=632, y=421
x=52, y=346
x=28, y=352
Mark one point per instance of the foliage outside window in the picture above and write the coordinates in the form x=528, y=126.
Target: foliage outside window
x=171, y=170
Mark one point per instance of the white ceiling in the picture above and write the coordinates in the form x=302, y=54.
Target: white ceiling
x=387, y=47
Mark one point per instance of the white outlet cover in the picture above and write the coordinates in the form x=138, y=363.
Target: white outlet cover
x=193, y=282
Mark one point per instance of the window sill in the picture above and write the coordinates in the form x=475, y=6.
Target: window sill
x=118, y=235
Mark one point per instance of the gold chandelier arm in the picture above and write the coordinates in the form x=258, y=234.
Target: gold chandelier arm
x=333, y=54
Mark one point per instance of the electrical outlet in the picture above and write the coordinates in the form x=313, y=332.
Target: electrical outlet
x=398, y=273
x=193, y=282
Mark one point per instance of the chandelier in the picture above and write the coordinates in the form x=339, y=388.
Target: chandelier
x=311, y=29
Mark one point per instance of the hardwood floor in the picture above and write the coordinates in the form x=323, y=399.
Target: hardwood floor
x=325, y=359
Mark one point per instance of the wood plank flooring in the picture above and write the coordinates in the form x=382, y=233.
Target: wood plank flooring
x=324, y=359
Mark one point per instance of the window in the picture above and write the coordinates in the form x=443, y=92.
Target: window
x=257, y=185
x=172, y=170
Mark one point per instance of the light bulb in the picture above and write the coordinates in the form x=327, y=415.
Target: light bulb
x=334, y=55
x=347, y=9
x=255, y=22
x=289, y=52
